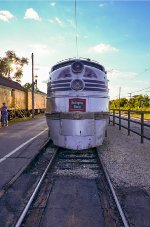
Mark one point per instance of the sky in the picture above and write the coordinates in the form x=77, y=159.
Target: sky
x=114, y=33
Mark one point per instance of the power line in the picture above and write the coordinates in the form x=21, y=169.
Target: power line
x=139, y=90
x=147, y=69
x=76, y=35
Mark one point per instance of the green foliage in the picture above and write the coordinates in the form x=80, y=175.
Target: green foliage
x=8, y=63
x=29, y=86
x=139, y=102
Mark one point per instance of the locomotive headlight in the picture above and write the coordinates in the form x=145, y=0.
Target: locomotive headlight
x=77, y=85
x=77, y=67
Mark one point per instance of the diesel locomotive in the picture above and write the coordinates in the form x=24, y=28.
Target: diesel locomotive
x=77, y=109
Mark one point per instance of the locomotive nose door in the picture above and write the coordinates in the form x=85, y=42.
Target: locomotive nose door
x=77, y=124
x=84, y=127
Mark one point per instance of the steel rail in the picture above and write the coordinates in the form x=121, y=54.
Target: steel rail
x=22, y=216
x=124, y=220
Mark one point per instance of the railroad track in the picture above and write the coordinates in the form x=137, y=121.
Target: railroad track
x=15, y=194
x=76, y=181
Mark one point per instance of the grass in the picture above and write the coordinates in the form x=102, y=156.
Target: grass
x=138, y=115
x=146, y=116
x=20, y=119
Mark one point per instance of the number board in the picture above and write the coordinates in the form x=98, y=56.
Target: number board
x=77, y=104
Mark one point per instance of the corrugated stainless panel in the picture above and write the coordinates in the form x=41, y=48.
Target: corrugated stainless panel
x=95, y=81
x=95, y=85
x=60, y=85
x=60, y=89
x=60, y=81
x=95, y=89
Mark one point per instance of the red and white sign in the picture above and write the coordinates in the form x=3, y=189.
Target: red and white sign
x=77, y=105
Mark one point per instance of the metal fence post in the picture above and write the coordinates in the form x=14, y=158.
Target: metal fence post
x=128, y=122
x=113, y=117
x=142, y=127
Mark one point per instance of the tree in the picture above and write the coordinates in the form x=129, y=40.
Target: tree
x=123, y=102
x=146, y=101
x=18, y=74
x=2, y=67
x=11, y=63
x=136, y=102
x=29, y=86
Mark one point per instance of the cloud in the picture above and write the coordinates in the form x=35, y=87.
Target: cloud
x=56, y=20
x=116, y=74
x=59, y=21
x=32, y=15
x=143, y=82
x=58, y=38
x=103, y=48
x=53, y=4
x=51, y=21
x=39, y=48
x=6, y=15
x=102, y=4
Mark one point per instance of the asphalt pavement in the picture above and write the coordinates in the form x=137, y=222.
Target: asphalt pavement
x=19, y=143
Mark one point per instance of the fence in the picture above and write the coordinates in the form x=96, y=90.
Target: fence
x=129, y=117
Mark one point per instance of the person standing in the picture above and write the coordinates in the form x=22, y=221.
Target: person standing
x=4, y=114
x=0, y=118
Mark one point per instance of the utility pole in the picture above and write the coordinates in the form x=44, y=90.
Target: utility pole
x=119, y=96
x=130, y=99
x=32, y=56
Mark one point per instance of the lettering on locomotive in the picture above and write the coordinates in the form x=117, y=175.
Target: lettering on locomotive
x=77, y=104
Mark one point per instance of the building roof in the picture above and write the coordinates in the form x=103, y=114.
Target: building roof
x=11, y=84
x=41, y=92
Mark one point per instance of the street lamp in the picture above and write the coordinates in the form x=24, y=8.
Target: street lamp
x=36, y=82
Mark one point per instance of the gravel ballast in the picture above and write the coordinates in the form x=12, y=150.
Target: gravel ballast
x=126, y=159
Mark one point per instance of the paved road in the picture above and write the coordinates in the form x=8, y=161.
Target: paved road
x=19, y=143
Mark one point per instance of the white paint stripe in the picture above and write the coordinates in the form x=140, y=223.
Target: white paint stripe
x=22, y=145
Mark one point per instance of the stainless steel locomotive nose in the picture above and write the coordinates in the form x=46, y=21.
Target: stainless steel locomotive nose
x=77, y=104
x=77, y=67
